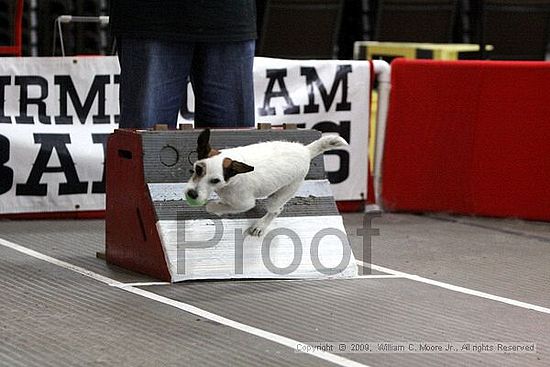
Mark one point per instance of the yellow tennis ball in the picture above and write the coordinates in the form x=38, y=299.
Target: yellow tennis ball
x=194, y=202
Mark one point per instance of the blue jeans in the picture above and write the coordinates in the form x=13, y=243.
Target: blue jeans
x=154, y=76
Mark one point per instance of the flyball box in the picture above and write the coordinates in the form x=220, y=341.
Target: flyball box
x=151, y=229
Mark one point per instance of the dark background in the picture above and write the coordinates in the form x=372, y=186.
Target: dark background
x=517, y=28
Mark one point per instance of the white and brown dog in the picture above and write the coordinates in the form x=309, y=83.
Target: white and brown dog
x=272, y=170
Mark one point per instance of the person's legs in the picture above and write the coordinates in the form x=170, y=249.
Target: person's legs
x=153, y=79
x=223, y=84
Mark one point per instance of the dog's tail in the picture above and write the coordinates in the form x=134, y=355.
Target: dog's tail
x=328, y=142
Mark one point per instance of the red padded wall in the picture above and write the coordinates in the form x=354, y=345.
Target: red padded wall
x=469, y=137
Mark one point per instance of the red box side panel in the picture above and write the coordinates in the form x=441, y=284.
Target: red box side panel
x=132, y=240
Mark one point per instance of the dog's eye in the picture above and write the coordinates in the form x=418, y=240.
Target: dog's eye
x=215, y=181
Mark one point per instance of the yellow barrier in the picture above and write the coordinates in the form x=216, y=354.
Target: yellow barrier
x=371, y=50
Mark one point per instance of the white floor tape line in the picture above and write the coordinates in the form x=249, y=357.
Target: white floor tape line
x=378, y=276
x=456, y=288
x=279, y=339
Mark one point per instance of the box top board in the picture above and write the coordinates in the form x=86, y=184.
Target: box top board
x=168, y=155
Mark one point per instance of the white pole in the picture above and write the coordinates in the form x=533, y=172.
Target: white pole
x=382, y=71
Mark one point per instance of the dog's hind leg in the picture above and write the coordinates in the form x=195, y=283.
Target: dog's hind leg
x=275, y=205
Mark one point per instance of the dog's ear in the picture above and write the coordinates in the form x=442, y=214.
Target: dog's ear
x=204, y=150
x=232, y=168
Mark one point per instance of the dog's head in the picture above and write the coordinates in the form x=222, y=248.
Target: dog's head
x=212, y=171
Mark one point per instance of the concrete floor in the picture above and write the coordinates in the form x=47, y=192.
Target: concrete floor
x=455, y=280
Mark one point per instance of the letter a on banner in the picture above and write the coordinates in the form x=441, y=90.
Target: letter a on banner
x=49, y=142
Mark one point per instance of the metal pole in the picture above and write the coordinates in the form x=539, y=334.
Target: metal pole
x=103, y=20
x=34, y=27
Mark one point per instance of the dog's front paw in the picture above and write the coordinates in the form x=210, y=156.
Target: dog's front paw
x=256, y=230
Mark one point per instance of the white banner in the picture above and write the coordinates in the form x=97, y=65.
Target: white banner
x=328, y=95
x=56, y=114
